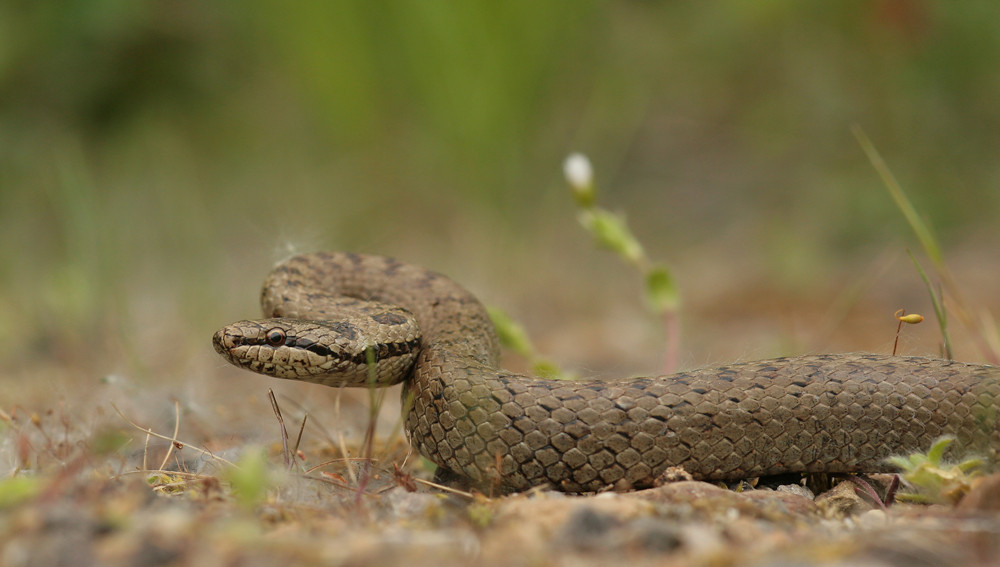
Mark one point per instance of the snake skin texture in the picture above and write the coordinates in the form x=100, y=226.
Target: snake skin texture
x=834, y=413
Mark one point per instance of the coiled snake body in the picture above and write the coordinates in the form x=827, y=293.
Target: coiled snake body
x=334, y=314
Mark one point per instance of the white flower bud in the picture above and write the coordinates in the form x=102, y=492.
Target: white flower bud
x=578, y=171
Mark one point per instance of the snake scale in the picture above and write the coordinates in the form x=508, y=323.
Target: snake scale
x=334, y=314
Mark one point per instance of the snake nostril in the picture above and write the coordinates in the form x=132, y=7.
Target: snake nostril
x=221, y=341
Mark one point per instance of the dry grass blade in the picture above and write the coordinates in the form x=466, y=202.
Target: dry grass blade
x=173, y=439
x=170, y=450
x=318, y=466
x=281, y=424
x=298, y=439
x=444, y=488
x=342, y=444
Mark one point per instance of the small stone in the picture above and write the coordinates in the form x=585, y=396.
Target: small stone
x=586, y=527
x=797, y=489
x=984, y=495
x=873, y=519
x=842, y=501
x=672, y=474
x=653, y=535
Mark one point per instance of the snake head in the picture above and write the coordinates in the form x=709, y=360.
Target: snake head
x=332, y=353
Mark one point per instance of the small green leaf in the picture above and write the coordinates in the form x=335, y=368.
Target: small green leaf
x=610, y=231
x=512, y=335
x=970, y=465
x=481, y=514
x=914, y=497
x=661, y=290
x=545, y=368
x=251, y=479
x=17, y=489
x=902, y=463
x=427, y=464
x=936, y=452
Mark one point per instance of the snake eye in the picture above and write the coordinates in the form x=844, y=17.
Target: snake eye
x=275, y=337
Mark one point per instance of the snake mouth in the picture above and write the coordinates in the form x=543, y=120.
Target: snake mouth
x=240, y=334
x=248, y=344
x=230, y=338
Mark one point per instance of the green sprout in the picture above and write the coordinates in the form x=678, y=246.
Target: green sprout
x=513, y=336
x=251, y=478
x=935, y=480
x=611, y=232
x=18, y=489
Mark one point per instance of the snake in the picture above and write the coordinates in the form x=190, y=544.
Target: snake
x=344, y=319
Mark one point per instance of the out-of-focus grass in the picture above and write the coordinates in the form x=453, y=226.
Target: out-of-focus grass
x=154, y=158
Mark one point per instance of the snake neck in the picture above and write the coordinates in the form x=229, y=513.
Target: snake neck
x=450, y=317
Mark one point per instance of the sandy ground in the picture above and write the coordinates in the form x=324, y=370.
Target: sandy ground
x=87, y=484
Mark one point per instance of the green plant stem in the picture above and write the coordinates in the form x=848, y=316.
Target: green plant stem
x=939, y=312
x=923, y=232
x=930, y=245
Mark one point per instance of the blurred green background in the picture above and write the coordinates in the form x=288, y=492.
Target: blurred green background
x=157, y=157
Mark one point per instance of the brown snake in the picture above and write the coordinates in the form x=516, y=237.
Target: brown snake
x=334, y=313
